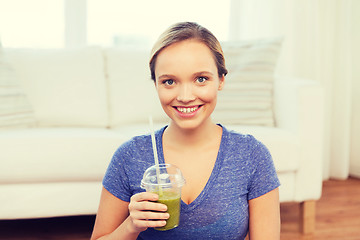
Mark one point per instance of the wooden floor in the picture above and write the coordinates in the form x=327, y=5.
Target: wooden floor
x=337, y=213
x=337, y=217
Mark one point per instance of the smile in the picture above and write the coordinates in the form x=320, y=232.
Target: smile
x=187, y=109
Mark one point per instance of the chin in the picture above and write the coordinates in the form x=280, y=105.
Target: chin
x=189, y=124
x=185, y=125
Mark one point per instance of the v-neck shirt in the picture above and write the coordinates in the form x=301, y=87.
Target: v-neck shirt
x=243, y=170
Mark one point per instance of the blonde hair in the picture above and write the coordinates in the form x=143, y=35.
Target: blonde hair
x=184, y=31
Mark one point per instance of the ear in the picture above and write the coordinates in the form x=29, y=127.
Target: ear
x=221, y=83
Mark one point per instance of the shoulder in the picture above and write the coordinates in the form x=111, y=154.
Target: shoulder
x=132, y=146
x=246, y=148
x=138, y=147
x=238, y=140
x=136, y=143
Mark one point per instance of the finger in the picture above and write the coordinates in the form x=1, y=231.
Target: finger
x=151, y=206
x=144, y=196
x=147, y=206
x=147, y=215
x=149, y=223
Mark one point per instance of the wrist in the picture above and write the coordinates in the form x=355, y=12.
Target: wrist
x=131, y=228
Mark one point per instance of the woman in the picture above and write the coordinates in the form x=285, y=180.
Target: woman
x=231, y=184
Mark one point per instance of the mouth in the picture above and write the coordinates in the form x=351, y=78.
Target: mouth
x=187, y=110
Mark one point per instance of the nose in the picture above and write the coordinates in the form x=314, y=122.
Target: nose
x=185, y=93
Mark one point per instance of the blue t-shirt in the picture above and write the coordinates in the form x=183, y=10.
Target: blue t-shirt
x=243, y=170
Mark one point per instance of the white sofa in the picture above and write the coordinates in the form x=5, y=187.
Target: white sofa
x=88, y=101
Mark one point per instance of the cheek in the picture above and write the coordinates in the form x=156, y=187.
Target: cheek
x=208, y=95
x=165, y=96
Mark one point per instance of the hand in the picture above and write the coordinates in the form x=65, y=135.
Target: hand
x=145, y=212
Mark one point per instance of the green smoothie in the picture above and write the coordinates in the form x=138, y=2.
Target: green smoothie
x=172, y=201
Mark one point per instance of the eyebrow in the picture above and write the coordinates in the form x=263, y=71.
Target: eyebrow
x=203, y=73
x=167, y=76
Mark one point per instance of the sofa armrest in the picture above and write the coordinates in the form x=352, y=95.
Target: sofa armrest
x=299, y=107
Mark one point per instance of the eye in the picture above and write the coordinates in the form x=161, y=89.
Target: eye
x=168, y=82
x=201, y=79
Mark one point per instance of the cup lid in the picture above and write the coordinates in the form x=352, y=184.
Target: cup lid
x=169, y=175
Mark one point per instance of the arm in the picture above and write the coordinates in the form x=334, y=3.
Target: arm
x=117, y=219
x=264, y=211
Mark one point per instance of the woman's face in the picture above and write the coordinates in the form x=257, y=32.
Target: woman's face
x=187, y=83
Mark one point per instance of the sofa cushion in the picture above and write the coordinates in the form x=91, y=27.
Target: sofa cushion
x=132, y=93
x=56, y=154
x=66, y=86
x=287, y=188
x=15, y=108
x=282, y=144
x=247, y=97
x=39, y=200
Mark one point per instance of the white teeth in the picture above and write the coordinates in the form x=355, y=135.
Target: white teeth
x=187, y=110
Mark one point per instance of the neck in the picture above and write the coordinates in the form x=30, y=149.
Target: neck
x=191, y=137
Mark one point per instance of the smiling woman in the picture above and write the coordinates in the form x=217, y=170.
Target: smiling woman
x=231, y=183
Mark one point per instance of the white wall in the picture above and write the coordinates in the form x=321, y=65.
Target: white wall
x=355, y=133
x=321, y=43
x=75, y=23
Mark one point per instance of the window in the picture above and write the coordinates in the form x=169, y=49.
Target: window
x=114, y=22
x=34, y=24
x=70, y=23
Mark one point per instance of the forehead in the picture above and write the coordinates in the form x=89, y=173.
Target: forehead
x=184, y=45
x=188, y=54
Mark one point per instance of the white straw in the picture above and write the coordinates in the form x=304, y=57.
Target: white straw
x=155, y=153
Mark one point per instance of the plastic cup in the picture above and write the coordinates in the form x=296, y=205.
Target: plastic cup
x=168, y=187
